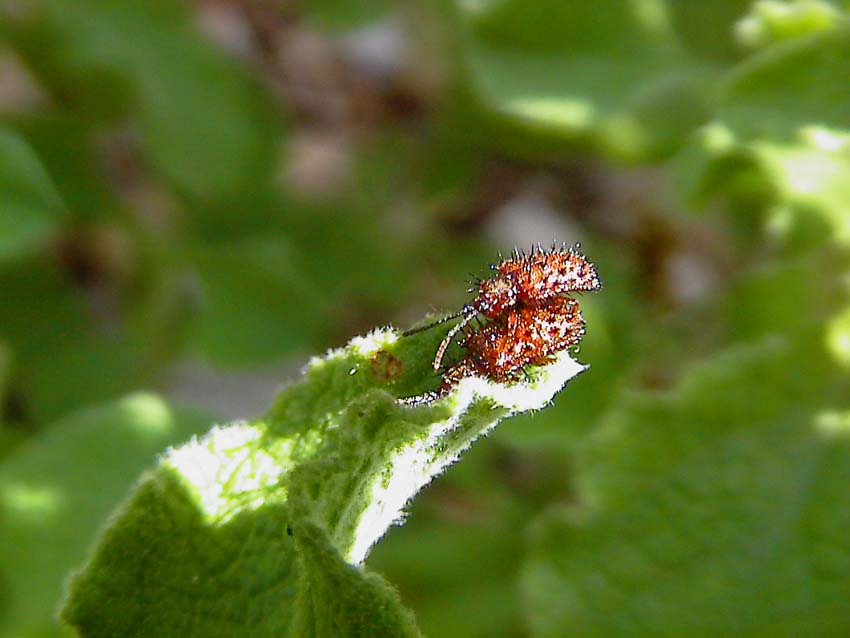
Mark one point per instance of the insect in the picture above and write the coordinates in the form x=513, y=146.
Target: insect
x=520, y=316
x=522, y=336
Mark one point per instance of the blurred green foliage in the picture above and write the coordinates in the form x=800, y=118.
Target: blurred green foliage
x=693, y=482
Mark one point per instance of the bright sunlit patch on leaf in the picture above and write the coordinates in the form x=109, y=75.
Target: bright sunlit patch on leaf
x=374, y=341
x=228, y=470
x=414, y=465
x=474, y=7
x=833, y=424
x=825, y=139
x=364, y=345
x=30, y=501
x=810, y=177
x=149, y=415
x=838, y=338
x=807, y=173
x=552, y=111
x=770, y=21
x=519, y=397
x=717, y=138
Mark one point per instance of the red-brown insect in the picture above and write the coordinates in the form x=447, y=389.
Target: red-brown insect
x=521, y=336
x=525, y=280
x=528, y=315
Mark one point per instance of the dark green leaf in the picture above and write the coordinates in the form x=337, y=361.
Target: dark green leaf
x=63, y=358
x=207, y=125
x=718, y=509
x=30, y=208
x=57, y=489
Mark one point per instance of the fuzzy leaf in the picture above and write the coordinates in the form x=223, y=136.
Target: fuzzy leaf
x=719, y=509
x=57, y=489
x=338, y=600
x=262, y=527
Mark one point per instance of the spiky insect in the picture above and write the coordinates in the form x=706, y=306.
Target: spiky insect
x=519, y=337
x=527, y=316
x=524, y=280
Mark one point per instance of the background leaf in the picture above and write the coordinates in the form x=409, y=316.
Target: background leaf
x=32, y=209
x=58, y=489
x=190, y=99
x=610, y=76
x=714, y=510
x=199, y=194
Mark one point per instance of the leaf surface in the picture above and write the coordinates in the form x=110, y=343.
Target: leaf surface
x=263, y=527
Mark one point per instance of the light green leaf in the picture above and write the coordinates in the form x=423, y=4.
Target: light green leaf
x=771, y=21
x=30, y=208
x=56, y=490
x=608, y=74
x=248, y=530
x=717, y=509
x=782, y=131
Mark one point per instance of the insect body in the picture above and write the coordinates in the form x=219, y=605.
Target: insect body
x=521, y=336
x=524, y=315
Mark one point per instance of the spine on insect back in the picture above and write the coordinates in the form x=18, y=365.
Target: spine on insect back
x=521, y=316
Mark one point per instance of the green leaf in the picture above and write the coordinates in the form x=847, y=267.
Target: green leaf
x=268, y=294
x=57, y=489
x=207, y=125
x=62, y=359
x=346, y=14
x=782, y=130
x=789, y=87
x=706, y=29
x=717, y=509
x=30, y=208
x=607, y=74
x=336, y=599
x=257, y=304
x=770, y=21
x=70, y=152
x=471, y=527
x=249, y=530
x=757, y=303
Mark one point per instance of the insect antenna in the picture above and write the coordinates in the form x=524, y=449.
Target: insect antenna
x=436, y=323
